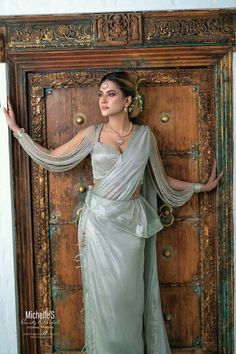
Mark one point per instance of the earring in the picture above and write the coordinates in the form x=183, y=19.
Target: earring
x=125, y=109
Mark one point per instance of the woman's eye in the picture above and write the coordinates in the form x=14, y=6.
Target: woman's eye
x=110, y=94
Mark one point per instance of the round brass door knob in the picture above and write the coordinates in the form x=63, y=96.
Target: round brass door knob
x=82, y=189
x=168, y=316
x=166, y=252
x=80, y=118
x=165, y=117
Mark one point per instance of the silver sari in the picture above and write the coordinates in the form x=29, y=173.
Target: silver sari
x=117, y=240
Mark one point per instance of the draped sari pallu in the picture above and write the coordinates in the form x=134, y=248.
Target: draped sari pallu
x=117, y=243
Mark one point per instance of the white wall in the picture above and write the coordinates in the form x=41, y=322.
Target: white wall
x=24, y=7
x=8, y=291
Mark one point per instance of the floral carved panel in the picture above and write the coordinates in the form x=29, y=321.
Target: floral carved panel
x=118, y=29
x=188, y=30
x=50, y=35
x=121, y=29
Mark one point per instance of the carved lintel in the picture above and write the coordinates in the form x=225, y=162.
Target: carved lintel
x=123, y=29
x=217, y=30
x=23, y=36
x=118, y=29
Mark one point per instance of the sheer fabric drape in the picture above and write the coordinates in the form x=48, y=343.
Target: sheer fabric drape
x=112, y=194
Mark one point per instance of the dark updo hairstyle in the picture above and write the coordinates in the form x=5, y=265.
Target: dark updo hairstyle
x=128, y=87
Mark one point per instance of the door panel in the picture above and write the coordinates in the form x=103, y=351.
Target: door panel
x=176, y=104
x=63, y=238
x=181, y=316
x=174, y=111
x=178, y=253
x=65, y=199
x=68, y=331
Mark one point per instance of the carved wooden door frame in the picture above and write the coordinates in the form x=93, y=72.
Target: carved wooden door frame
x=76, y=42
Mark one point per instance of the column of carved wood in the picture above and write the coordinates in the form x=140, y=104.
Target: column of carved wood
x=41, y=222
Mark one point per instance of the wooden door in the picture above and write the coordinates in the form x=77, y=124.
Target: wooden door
x=67, y=193
x=179, y=108
x=60, y=196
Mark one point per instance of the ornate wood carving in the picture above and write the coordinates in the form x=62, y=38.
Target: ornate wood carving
x=122, y=29
x=118, y=29
x=41, y=222
x=50, y=35
x=188, y=30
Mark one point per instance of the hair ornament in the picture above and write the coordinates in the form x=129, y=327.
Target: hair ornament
x=137, y=99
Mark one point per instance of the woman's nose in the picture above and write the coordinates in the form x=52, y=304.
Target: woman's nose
x=103, y=99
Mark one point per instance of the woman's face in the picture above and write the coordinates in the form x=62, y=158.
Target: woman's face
x=111, y=99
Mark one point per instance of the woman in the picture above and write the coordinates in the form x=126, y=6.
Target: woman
x=119, y=221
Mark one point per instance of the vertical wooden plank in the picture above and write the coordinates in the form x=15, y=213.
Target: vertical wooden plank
x=224, y=137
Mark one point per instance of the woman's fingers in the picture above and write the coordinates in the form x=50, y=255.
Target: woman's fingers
x=10, y=116
x=10, y=108
x=7, y=116
x=213, y=183
x=213, y=171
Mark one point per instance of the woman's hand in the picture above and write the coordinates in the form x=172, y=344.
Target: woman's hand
x=10, y=116
x=213, y=180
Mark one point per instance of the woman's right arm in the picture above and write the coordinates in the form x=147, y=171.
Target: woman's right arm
x=60, y=150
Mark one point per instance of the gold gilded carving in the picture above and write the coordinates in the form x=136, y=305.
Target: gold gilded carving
x=50, y=35
x=41, y=223
x=118, y=29
x=170, y=77
x=207, y=204
x=121, y=29
x=194, y=30
x=65, y=79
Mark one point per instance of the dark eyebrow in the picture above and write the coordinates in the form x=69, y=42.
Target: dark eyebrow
x=108, y=91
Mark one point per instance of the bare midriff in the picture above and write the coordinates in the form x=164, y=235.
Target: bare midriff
x=136, y=193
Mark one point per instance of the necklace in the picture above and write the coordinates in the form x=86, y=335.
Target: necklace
x=120, y=139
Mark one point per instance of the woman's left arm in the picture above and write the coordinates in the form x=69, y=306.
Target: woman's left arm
x=211, y=184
